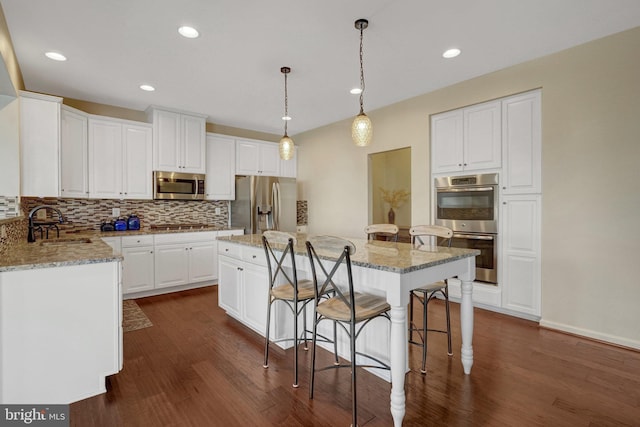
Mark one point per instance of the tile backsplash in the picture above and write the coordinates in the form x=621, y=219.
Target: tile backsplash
x=9, y=206
x=88, y=214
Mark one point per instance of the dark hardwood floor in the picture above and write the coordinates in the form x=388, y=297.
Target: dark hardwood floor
x=198, y=367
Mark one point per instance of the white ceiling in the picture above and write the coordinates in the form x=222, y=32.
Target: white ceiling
x=232, y=71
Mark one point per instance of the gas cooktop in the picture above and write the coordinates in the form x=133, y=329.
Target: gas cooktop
x=183, y=226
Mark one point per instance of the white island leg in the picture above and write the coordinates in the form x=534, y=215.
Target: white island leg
x=398, y=356
x=466, y=325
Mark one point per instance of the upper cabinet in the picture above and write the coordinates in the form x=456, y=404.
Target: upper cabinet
x=467, y=139
x=257, y=158
x=39, y=144
x=178, y=141
x=74, y=178
x=119, y=159
x=521, y=145
x=221, y=168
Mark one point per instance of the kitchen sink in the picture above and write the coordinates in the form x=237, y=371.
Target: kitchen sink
x=64, y=242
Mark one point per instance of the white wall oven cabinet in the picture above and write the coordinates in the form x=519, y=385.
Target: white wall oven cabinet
x=39, y=145
x=74, y=157
x=521, y=253
x=178, y=141
x=137, y=267
x=257, y=158
x=119, y=159
x=221, y=168
x=521, y=146
x=467, y=139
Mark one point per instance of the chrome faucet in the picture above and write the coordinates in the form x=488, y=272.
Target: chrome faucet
x=31, y=236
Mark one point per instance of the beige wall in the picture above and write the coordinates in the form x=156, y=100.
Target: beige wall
x=590, y=156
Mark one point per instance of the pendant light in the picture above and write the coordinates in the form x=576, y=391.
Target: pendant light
x=286, y=144
x=361, y=129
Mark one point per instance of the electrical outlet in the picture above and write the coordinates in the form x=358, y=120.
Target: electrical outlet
x=217, y=211
x=115, y=212
x=41, y=214
x=3, y=232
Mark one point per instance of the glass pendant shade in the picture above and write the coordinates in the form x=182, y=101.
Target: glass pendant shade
x=287, y=148
x=361, y=130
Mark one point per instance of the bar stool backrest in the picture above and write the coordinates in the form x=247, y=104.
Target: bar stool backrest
x=273, y=241
x=388, y=230
x=419, y=233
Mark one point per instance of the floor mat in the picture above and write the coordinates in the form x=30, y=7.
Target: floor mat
x=133, y=317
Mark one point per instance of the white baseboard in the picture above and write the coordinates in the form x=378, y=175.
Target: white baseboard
x=160, y=291
x=613, y=339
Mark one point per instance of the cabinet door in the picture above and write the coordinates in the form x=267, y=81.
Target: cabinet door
x=74, y=179
x=446, y=142
x=193, y=144
x=521, y=147
x=202, y=261
x=289, y=168
x=137, y=173
x=229, y=285
x=39, y=145
x=255, y=294
x=105, y=159
x=269, y=159
x=171, y=265
x=221, y=168
x=166, y=141
x=247, y=157
x=521, y=254
x=482, y=136
x=137, y=269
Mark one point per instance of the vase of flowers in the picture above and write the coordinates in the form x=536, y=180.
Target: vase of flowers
x=395, y=199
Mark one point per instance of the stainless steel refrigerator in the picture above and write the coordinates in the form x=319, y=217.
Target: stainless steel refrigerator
x=264, y=203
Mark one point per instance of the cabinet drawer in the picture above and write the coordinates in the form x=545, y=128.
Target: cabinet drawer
x=254, y=255
x=133, y=241
x=197, y=236
x=229, y=249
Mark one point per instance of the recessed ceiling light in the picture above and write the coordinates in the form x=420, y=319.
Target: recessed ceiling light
x=56, y=56
x=148, y=88
x=188, y=32
x=451, y=53
x=355, y=91
x=286, y=117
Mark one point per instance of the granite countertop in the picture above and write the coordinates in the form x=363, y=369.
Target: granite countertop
x=56, y=253
x=84, y=247
x=375, y=254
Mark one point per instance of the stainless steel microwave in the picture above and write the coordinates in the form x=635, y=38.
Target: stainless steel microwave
x=178, y=186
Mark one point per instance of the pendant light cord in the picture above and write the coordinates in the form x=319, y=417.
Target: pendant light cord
x=361, y=74
x=286, y=104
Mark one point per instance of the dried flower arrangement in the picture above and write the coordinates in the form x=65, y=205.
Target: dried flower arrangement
x=395, y=198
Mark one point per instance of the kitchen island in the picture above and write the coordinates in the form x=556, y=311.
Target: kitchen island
x=60, y=320
x=385, y=268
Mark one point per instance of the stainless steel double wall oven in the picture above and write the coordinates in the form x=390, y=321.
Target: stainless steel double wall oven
x=469, y=206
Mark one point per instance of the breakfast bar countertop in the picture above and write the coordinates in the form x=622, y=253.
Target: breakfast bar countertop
x=378, y=255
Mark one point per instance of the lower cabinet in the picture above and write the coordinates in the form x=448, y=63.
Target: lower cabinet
x=137, y=267
x=521, y=267
x=243, y=286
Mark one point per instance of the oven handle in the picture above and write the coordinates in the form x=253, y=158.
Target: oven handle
x=474, y=236
x=459, y=190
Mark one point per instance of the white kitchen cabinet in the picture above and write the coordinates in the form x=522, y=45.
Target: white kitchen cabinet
x=243, y=287
x=289, y=168
x=466, y=139
x=74, y=157
x=39, y=145
x=119, y=159
x=521, y=143
x=115, y=243
x=184, y=258
x=257, y=158
x=137, y=267
x=221, y=168
x=178, y=141
x=521, y=266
